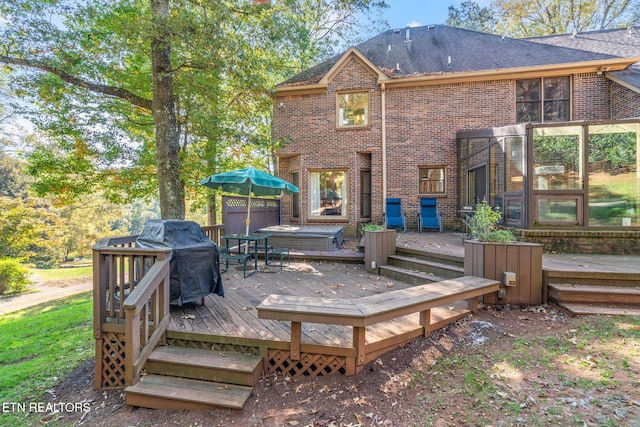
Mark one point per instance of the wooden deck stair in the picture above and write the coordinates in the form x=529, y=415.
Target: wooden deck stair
x=595, y=293
x=186, y=378
x=418, y=267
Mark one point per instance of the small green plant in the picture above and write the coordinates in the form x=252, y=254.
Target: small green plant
x=14, y=277
x=372, y=227
x=483, y=225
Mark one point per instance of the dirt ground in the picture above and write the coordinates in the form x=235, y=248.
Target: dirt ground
x=504, y=366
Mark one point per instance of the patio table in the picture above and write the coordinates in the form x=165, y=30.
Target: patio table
x=255, y=238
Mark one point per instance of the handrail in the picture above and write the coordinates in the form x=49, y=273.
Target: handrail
x=147, y=315
x=118, y=272
x=130, y=305
x=214, y=232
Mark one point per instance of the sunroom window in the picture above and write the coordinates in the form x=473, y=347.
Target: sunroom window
x=543, y=100
x=353, y=109
x=614, y=177
x=328, y=195
x=557, y=158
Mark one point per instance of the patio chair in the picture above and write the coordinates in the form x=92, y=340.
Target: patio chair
x=394, y=217
x=274, y=255
x=429, y=217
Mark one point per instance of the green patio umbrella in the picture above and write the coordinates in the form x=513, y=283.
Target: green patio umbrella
x=249, y=181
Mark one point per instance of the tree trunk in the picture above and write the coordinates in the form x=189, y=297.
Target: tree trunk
x=164, y=116
x=211, y=210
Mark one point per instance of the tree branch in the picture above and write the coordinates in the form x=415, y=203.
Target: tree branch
x=116, y=92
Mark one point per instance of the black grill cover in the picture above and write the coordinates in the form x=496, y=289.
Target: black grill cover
x=195, y=260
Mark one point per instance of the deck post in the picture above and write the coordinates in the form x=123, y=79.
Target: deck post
x=359, y=344
x=472, y=304
x=132, y=344
x=425, y=321
x=296, y=338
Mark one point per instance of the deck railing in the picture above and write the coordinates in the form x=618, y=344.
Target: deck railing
x=214, y=232
x=147, y=315
x=130, y=306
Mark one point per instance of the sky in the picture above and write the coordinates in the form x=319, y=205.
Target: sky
x=418, y=13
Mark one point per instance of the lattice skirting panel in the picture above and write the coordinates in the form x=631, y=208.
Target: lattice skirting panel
x=310, y=364
x=232, y=348
x=113, y=353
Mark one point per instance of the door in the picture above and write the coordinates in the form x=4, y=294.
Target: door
x=477, y=190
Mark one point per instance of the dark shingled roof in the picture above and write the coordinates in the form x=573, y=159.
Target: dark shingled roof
x=623, y=42
x=426, y=50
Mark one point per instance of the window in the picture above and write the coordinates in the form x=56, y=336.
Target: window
x=513, y=210
x=514, y=164
x=353, y=109
x=558, y=210
x=432, y=180
x=328, y=195
x=557, y=159
x=614, y=177
x=543, y=100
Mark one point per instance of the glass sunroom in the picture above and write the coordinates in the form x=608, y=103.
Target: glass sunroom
x=578, y=175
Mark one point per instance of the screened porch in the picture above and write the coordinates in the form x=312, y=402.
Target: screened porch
x=567, y=176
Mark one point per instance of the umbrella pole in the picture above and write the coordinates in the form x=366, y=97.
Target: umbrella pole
x=248, y=220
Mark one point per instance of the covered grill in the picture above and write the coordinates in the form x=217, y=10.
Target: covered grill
x=195, y=260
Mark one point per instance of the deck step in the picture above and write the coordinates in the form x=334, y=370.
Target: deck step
x=164, y=392
x=414, y=277
x=601, y=309
x=594, y=278
x=425, y=254
x=209, y=365
x=440, y=269
x=597, y=294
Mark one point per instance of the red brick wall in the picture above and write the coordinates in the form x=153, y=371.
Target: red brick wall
x=309, y=122
x=625, y=102
x=425, y=134
x=421, y=122
x=591, y=95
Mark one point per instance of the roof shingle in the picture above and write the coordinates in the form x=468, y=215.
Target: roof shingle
x=437, y=49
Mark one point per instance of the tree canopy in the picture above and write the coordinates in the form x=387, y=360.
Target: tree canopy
x=527, y=18
x=142, y=98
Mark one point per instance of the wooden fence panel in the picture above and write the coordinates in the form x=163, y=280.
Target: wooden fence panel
x=264, y=213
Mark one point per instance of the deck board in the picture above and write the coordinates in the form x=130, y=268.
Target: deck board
x=235, y=314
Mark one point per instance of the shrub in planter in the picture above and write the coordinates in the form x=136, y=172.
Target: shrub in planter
x=491, y=251
x=483, y=225
x=14, y=277
x=379, y=243
x=372, y=227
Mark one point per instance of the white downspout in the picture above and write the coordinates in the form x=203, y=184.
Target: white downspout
x=384, y=144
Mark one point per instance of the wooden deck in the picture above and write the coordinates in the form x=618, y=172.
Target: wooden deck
x=127, y=332
x=232, y=321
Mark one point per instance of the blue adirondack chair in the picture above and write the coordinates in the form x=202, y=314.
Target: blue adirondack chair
x=394, y=217
x=429, y=217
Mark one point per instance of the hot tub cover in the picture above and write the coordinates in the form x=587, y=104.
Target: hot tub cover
x=195, y=260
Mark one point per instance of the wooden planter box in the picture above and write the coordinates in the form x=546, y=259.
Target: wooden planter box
x=378, y=245
x=491, y=260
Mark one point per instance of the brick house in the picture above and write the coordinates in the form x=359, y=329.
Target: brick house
x=462, y=116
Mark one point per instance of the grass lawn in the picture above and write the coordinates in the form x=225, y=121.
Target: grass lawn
x=49, y=274
x=40, y=346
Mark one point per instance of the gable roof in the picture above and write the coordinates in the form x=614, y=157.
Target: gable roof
x=358, y=56
x=623, y=42
x=440, y=50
